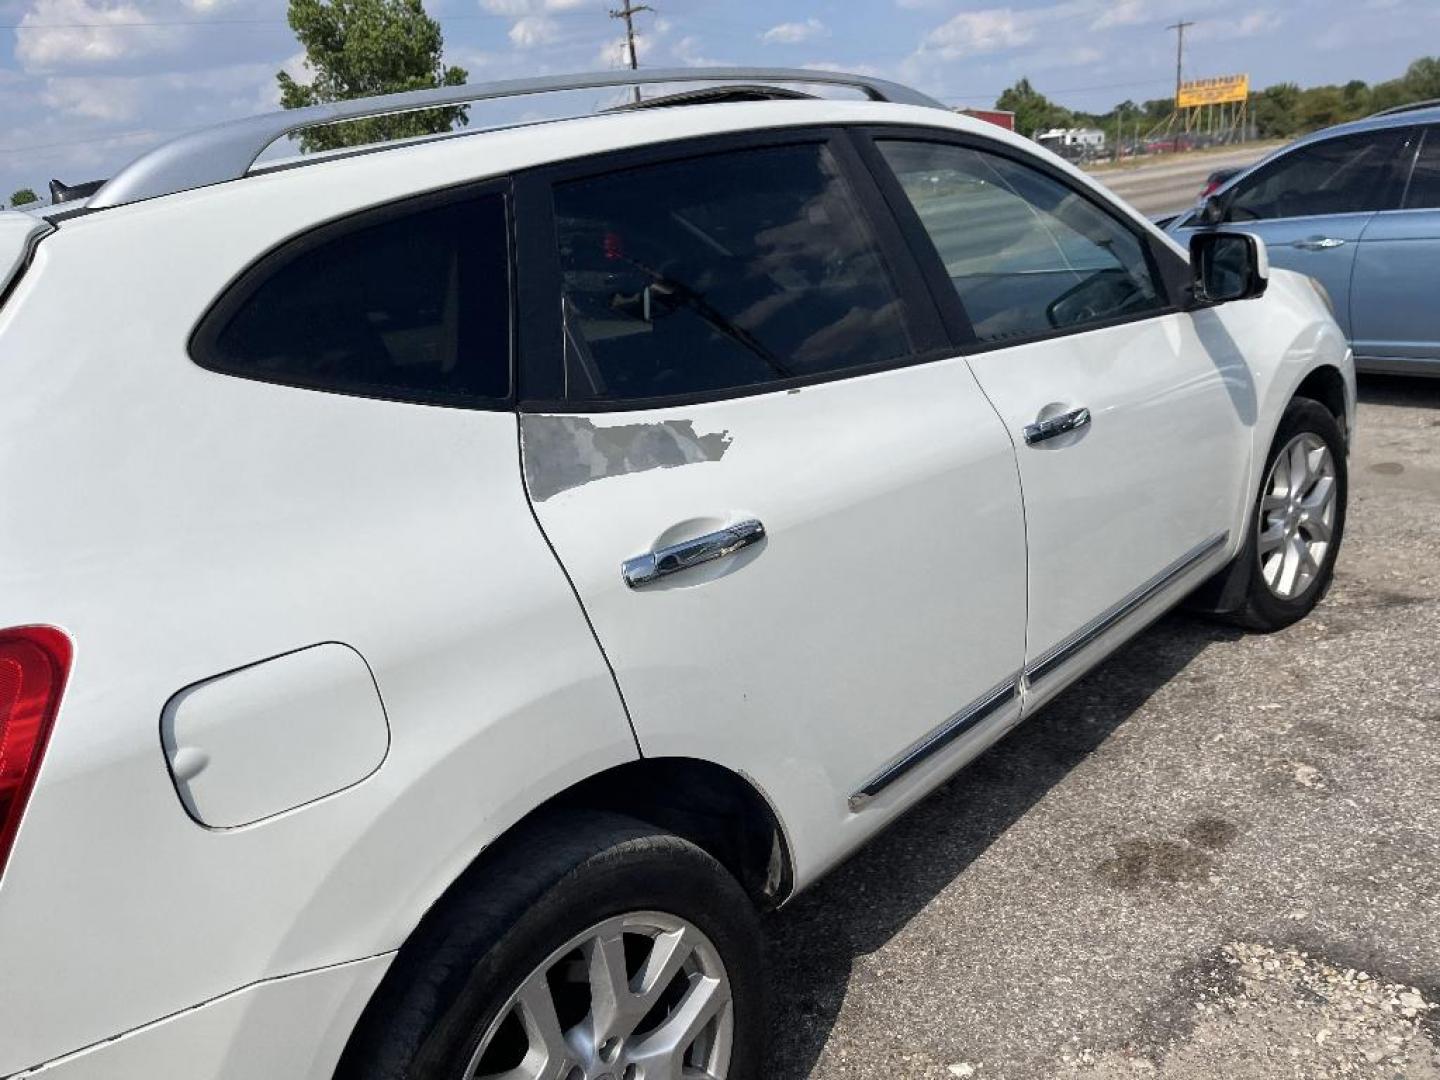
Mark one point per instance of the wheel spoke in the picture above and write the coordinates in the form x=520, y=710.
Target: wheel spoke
x=1299, y=468
x=612, y=1005
x=1270, y=568
x=1290, y=570
x=661, y=1055
x=1270, y=539
x=549, y=1056
x=1316, y=528
x=669, y=953
x=1320, y=495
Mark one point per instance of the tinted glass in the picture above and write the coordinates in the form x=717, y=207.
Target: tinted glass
x=414, y=308
x=1424, y=189
x=1353, y=174
x=721, y=272
x=1027, y=254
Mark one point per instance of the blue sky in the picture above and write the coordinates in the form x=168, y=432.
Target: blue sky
x=83, y=89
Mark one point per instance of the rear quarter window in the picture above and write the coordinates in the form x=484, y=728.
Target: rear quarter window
x=405, y=304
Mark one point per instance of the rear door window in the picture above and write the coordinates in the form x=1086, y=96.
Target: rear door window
x=1346, y=175
x=729, y=271
x=406, y=304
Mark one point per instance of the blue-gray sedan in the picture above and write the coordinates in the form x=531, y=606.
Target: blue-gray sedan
x=1357, y=207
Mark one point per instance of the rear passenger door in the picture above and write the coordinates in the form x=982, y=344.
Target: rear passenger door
x=791, y=515
x=1393, y=307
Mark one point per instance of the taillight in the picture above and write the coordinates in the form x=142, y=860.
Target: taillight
x=34, y=661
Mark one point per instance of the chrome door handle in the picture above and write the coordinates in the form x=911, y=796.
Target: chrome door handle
x=1056, y=425
x=1318, y=243
x=673, y=558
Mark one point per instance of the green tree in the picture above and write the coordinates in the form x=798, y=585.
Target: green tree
x=1422, y=79
x=357, y=48
x=24, y=197
x=1277, y=111
x=1320, y=106
x=1356, y=95
x=1034, y=112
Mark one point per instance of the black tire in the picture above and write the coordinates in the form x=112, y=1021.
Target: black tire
x=527, y=898
x=1259, y=608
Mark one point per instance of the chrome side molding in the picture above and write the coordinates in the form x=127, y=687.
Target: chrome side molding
x=1104, y=622
x=966, y=719
x=994, y=700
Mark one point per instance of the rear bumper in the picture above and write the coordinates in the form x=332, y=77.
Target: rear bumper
x=290, y=1028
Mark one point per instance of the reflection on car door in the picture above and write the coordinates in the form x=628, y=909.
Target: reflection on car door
x=1393, y=308
x=1312, y=205
x=1129, y=419
x=820, y=527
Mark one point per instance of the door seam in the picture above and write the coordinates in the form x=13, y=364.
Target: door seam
x=574, y=591
x=1022, y=683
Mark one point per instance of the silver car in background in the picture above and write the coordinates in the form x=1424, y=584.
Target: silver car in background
x=1357, y=207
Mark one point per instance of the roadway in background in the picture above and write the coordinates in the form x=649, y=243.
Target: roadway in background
x=1166, y=183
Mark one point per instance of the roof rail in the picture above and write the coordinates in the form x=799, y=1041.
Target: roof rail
x=227, y=151
x=1430, y=104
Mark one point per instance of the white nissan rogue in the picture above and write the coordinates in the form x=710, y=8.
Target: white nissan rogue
x=453, y=587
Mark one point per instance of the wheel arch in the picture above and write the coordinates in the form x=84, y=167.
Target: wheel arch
x=1326, y=385
x=720, y=811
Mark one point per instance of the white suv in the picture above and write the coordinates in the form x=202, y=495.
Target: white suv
x=453, y=587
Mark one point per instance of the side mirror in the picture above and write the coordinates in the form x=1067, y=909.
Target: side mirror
x=1227, y=266
x=1211, y=211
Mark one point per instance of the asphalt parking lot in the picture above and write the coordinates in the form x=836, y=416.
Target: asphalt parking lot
x=1217, y=855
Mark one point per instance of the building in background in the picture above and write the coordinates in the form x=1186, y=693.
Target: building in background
x=999, y=117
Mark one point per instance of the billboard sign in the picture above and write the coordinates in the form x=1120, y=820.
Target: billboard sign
x=1217, y=91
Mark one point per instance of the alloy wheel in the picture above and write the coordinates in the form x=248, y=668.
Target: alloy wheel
x=1297, y=516
x=641, y=996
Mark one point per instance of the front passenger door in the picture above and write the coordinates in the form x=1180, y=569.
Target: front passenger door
x=1128, y=416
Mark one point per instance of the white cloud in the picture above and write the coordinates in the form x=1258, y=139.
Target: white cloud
x=793, y=33
x=689, y=51
x=1125, y=13
x=76, y=34
x=1257, y=21
x=107, y=100
x=972, y=33
x=529, y=31
x=528, y=7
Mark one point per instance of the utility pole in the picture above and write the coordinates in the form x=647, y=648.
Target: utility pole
x=1179, y=28
x=628, y=13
